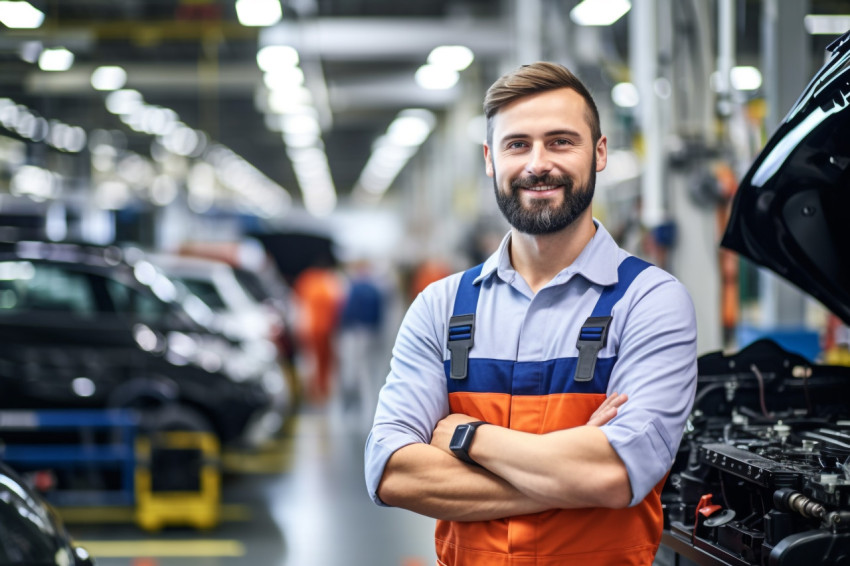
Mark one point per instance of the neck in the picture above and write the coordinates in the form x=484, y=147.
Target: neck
x=538, y=259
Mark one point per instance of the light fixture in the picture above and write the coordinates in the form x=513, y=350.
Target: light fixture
x=599, y=12
x=274, y=56
x=625, y=95
x=56, y=59
x=433, y=77
x=108, y=78
x=123, y=101
x=411, y=127
x=258, y=13
x=456, y=57
x=20, y=15
x=392, y=151
x=745, y=78
x=283, y=78
x=817, y=24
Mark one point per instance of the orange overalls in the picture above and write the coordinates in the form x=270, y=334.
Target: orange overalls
x=541, y=397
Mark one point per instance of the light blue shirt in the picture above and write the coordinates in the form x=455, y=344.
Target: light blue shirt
x=652, y=333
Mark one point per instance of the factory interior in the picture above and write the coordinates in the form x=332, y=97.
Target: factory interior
x=215, y=215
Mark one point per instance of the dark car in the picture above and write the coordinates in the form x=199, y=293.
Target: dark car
x=31, y=534
x=81, y=327
x=763, y=475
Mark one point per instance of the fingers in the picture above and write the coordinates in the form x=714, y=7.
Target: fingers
x=608, y=409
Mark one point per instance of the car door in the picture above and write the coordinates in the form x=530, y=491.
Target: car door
x=61, y=342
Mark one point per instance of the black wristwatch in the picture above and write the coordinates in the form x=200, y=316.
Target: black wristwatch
x=462, y=440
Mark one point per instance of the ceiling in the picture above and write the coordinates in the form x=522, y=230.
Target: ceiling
x=194, y=57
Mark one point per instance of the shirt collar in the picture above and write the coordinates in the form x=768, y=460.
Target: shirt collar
x=597, y=262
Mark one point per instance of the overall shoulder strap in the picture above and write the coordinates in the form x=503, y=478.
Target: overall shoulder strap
x=462, y=322
x=594, y=332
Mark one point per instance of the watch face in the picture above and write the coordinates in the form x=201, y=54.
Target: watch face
x=459, y=438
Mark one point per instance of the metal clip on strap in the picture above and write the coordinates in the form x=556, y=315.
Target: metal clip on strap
x=461, y=331
x=591, y=339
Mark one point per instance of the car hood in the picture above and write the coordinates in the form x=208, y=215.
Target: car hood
x=791, y=212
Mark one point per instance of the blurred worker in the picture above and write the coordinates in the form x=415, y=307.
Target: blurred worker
x=320, y=293
x=535, y=404
x=428, y=271
x=360, y=341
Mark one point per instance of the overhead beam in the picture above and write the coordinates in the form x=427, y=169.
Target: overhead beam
x=387, y=39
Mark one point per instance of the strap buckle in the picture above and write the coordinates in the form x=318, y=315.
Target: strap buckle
x=591, y=339
x=461, y=331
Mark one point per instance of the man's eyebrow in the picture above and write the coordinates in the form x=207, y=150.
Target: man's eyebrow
x=563, y=132
x=549, y=134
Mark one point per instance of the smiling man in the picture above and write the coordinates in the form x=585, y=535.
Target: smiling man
x=535, y=403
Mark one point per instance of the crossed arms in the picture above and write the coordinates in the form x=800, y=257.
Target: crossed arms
x=519, y=472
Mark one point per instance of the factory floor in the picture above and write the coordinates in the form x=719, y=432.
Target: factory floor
x=302, y=502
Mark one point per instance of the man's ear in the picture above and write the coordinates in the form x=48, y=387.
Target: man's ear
x=488, y=161
x=601, y=153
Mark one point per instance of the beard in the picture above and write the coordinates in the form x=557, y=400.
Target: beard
x=541, y=217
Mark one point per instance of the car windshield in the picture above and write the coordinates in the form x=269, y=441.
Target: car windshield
x=27, y=286
x=205, y=291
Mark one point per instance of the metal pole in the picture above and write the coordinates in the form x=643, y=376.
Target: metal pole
x=643, y=48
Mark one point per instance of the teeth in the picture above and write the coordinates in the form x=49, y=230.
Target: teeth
x=543, y=188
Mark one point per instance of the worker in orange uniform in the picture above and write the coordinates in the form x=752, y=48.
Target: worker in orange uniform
x=320, y=293
x=535, y=403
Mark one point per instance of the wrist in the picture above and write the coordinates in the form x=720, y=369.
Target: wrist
x=461, y=442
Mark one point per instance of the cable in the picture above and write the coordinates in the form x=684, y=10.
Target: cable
x=760, y=379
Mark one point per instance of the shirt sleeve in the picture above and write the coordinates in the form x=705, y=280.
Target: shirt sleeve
x=414, y=397
x=657, y=368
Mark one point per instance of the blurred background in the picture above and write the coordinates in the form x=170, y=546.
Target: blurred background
x=213, y=214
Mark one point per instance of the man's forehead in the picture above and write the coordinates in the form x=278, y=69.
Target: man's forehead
x=562, y=110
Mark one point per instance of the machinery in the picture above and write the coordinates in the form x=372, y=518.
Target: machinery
x=763, y=473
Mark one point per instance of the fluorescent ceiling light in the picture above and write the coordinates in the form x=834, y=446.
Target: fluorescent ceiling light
x=58, y=59
x=817, y=24
x=457, y=57
x=408, y=131
x=625, y=95
x=256, y=13
x=108, y=78
x=123, y=101
x=283, y=78
x=599, y=12
x=20, y=15
x=301, y=124
x=433, y=77
x=273, y=57
x=289, y=100
x=745, y=78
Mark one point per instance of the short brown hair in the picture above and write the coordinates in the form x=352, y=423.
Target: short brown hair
x=530, y=79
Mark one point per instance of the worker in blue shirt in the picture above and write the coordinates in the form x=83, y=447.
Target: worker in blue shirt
x=535, y=404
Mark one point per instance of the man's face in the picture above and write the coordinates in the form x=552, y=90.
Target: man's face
x=543, y=161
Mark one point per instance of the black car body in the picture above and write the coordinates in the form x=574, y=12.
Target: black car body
x=31, y=534
x=763, y=474
x=80, y=327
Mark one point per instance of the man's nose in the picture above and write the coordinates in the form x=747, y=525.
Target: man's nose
x=539, y=161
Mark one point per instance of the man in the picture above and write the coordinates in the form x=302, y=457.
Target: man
x=581, y=370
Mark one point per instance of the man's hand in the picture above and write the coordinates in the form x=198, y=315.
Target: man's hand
x=607, y=410
x=445, y=428
x=442, y=436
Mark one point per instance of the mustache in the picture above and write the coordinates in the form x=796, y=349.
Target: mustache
x=532, y=180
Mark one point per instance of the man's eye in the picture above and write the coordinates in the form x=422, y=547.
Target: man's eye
x=563, y=142
x=516, y=145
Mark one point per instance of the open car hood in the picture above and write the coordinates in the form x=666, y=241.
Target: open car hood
x=791, y=212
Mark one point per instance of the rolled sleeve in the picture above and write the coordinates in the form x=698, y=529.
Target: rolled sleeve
x=414, y=397
x=656, y=368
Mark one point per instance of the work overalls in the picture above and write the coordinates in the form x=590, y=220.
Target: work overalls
x=541, y=397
